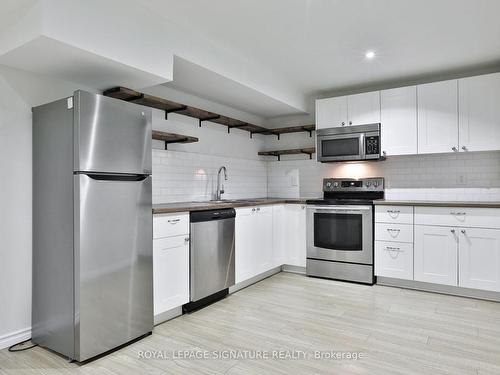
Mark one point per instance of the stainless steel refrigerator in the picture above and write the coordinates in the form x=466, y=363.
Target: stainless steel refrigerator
x=92, y=225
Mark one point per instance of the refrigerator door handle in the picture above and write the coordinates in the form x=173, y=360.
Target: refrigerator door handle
x=116, y=177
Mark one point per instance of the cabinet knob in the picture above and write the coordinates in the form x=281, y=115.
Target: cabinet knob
x=186, y=239
x=464, y=148
x=463, y=231
x=258, y=208
x=452, y=231
x=350, y=122
x=343, y=123
x=454, y=149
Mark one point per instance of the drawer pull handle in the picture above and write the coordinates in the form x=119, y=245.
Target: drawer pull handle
x=393, y=232
x=393, y=213
x=174, y=221
x=393, y=251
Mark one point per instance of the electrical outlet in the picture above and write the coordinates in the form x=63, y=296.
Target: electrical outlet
x=461, y=179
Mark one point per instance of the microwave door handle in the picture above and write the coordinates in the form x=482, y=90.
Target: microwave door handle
x=362, y=146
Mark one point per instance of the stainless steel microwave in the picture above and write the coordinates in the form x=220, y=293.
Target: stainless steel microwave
x=359, y=142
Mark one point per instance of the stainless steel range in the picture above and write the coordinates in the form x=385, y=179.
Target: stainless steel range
x=340, y=229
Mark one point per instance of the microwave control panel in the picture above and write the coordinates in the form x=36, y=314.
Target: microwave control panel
x=372, y=145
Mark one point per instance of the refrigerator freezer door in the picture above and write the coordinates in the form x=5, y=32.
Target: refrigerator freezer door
x=113, y=263
x=111, y=135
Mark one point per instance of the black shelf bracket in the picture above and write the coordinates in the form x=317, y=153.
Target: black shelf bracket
x=307, y=153
x=167, y=111
x=207, y=119
x=309, y=131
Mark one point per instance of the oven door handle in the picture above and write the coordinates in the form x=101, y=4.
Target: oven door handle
x=343, y=209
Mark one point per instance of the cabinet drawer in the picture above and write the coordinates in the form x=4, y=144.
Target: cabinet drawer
x=394, y=214
x=394, y=232
x=169, y=225
x=394, y=260
x=458, y=217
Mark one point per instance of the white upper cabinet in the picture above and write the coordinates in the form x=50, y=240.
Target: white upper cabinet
x=331, y=112
x=479, y=119
x=437, y=117
x=359, y=109
x=363, y=108
x=398, y=115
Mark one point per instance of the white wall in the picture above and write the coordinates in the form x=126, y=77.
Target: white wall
x=19, y=92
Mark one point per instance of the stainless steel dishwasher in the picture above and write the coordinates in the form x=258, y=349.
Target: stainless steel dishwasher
x=211, y=256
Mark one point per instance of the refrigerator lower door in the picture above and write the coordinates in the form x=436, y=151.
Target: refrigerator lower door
x=111, y=135
x=113, y=262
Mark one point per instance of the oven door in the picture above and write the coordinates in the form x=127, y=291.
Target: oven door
x=341, y=147
x=340, y=233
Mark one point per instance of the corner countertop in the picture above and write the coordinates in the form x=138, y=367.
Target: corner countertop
x=478, y=204
x=165, y=208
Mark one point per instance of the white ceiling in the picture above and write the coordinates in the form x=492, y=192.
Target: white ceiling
x=319, y=45
x=204, y=83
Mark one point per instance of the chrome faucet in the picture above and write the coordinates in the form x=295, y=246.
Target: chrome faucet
x=220, y=185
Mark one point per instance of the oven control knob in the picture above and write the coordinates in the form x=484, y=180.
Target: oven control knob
x=375, y=183
x=328, y=184
x=368, y=184
x=335, y=184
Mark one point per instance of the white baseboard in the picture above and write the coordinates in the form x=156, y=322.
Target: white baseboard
x=293, y=269
x=14, y=337
x=167, y=315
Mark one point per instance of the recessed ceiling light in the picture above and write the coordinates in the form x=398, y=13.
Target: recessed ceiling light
x=370, y=55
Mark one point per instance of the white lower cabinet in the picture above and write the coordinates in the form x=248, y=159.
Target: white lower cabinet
x=268, y=237
x=394, y=259
x=295, y=241
x=436, y=254
x=279, y=235
x=264, y=237
x=479, y=258
x=253, y=241
x=170, y=272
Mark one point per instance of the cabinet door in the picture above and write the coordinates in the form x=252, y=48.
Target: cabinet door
x=479, y=258
x=399, y=120
x=331, y=112
x=479, y=117
x=363, y=108
x=437, y=117
x=170, y=273
x=279, y=235
x=435, y=254
x=246, y=260
x=264, y=236
x=296, y=235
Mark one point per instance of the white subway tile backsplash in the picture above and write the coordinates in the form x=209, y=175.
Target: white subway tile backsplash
x=185, y=176
x=463, y=176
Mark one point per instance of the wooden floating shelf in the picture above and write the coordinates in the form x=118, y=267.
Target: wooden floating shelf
x=169, y=106
x=308, y=151
x=293, y=129
x=173, y=138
